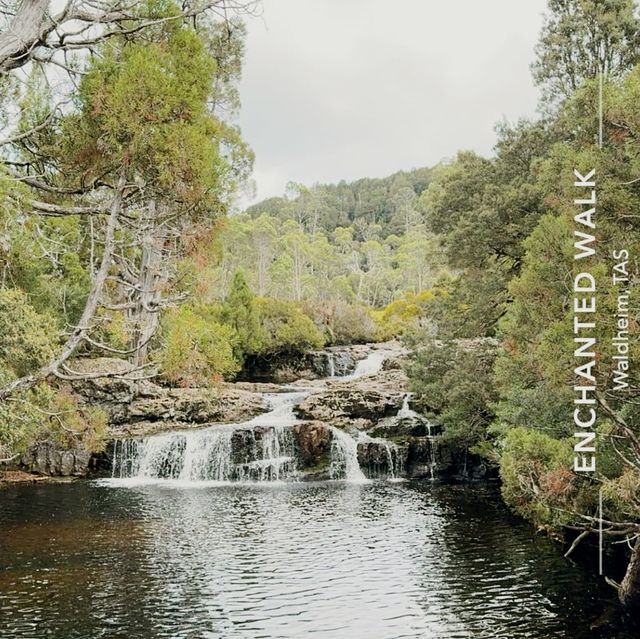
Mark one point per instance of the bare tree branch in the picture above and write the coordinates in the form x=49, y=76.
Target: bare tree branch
x=91, y=304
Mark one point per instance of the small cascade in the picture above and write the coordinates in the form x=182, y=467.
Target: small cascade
x=433, y=450
x=406, y=410
x=370, y=365
x=344, y=457
x=331, y=361
x=383, y=458
x=282, y=408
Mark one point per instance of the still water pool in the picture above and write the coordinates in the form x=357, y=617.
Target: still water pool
x=328, y=561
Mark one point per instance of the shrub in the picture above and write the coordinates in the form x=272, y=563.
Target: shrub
x=197, y=350
x=537, y=480
x=285, y=328
x=27, y=341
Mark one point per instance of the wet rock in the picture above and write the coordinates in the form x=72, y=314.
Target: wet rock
x=349, y=403
x=313, y=444
x=332, y=362
x=382, y=459
x=400, y=427
x=47, y=459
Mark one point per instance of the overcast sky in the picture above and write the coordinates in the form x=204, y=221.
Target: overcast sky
x=337, y=89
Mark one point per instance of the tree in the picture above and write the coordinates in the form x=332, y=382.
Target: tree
x=197, y=350
x=582, y=38
x=140, y=160
x=241, y=314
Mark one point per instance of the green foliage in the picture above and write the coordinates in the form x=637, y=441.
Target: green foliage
x=388, y=203
x=27, y=337
x=537, y=481
x=343, y=323
x=143, y=107
x=47, y=412
x=404, y=314
x=582, y=38
x=197, y=350
x=506, y=225
x=239, y=311
x=286, y=328
x=282, y=259
x=453, y=384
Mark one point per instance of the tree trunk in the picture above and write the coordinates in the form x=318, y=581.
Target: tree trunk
x=629, y=592
x=27, y=28
x=153, y=275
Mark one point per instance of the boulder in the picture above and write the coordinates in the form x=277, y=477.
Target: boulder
x=313, y=444
x=47, y=459
x=402, y=427
x=350, y=403
x=382, y=459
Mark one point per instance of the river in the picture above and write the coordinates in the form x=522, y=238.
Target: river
x=375, y=560
x=211, y=533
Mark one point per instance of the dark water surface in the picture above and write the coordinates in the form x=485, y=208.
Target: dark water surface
x=334, y=561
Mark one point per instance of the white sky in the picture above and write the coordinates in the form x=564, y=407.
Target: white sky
x=337, y=89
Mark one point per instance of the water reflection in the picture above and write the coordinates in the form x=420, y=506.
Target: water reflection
x=334, y=560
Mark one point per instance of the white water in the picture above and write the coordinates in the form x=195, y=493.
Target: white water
x=262, y=449
x=370, y=365
x=406, y=410
x=281, y=408
x=344, y=457
x=259, y=450
x=332, y=364
x=433, y=447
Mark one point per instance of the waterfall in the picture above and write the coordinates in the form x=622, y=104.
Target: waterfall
x=227, y=453
x=344, y=457
x=433, y=447
x=332, y=364
x=262, y=449
x=219, y=453
x=406, y=411
x=370, y=365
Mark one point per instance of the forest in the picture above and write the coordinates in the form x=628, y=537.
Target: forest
x=120, y=237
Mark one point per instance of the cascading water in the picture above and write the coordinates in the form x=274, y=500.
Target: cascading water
x=433, y=450
x=406, y=410
x=331, y=360
x=262, y=449
x=344, y=457
x=370, y=365
x=219, y=453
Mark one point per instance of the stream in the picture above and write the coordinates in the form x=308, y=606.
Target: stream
x=187, y=541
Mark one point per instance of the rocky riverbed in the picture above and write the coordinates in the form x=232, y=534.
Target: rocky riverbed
x=347, y=415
